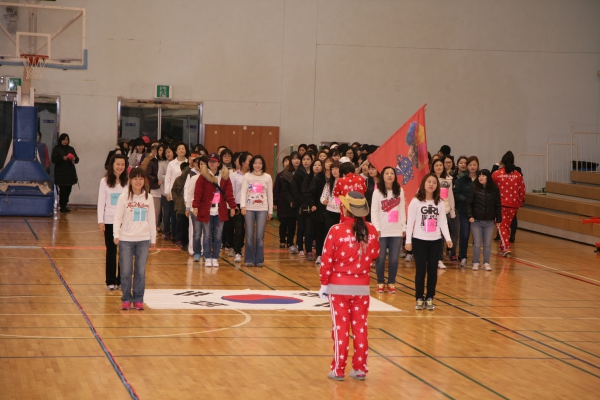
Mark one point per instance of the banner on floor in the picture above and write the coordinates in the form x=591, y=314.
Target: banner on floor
x=197, y=299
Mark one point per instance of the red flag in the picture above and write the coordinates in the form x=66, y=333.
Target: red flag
x=406, y=152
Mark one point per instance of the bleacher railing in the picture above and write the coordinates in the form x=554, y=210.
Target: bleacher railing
x=582, y=154
x=558, y=161
x=586, y=151
x=534, y=167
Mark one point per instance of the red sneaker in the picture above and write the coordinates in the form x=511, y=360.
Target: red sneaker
x=125, y=305
x=380, y=288
x=391, y=288
x=138, y=305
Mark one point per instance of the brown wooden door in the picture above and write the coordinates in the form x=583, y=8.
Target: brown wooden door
x=215, y=136
x=251, y=139
x=234, y=138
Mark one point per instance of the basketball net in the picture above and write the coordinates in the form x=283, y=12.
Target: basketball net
x=34, y=65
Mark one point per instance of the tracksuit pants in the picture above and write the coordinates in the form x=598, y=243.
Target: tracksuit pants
x=346, y=311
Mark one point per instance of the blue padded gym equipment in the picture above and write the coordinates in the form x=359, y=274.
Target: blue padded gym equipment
x=25, y=188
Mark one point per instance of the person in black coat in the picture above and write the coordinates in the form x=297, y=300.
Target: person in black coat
x=65, y=176
x=284, y=211
x=313, y=198
x=483, y=210
x=296, y=186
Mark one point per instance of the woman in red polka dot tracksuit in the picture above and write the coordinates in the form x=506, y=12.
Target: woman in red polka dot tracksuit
x=512, y=195
x=350, y=248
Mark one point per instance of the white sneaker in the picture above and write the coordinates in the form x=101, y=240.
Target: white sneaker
x=215, y=262
x=208, y=262
x=441, y=265
x=294, y=249
x=301, y=254
x=463, y=262
x=318, y=260
x=110, y=287
x=487, y=267
x=408, y=258
x=231, y=253
x=238, y=258
x=475, y=266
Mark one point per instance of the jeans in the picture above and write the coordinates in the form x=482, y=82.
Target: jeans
x=449, y=221
x=454, y=225
x=394, y=244
x=482, y=231
x=169, y=218
x=465, y=232
x=212, y=231
x=287, y=228
x=197, y=238
x=112, y=267
x=239, y=231
x=426, y=254
x=127, y=250
x=255, y=248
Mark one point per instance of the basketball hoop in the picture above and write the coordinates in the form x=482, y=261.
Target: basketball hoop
x=34, y=64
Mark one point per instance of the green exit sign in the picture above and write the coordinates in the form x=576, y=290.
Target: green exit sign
x=12, y=84
x=163, y=91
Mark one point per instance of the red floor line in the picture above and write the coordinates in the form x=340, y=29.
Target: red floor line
x=544, y=269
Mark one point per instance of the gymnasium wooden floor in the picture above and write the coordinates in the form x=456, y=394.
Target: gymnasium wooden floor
x=528, y=329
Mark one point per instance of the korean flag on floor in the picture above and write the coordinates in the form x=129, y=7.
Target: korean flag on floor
x=198, y=299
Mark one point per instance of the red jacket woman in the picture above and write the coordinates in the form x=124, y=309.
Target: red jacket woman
x=205, y=190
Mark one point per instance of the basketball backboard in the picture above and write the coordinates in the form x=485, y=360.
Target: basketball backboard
x=58, y=32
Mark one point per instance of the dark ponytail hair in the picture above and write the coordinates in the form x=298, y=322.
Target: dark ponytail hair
x=359, y=228
x=508, y=160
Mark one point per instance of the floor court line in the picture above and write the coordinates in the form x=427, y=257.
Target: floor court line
x=246, y=273
x=489, y=320
x=445, y=365
x=570, y=345
x=107, y=352
x=550, y=355
x=554, y=270
x=31, y=229
x=411, y=373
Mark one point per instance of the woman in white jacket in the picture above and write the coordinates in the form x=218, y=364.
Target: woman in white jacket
x=111, y=186
x=447, y=195
x=388, y=215
x=173, y=172
x=134, y=233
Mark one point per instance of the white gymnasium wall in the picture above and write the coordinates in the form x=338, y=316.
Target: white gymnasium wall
x=496, y=74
